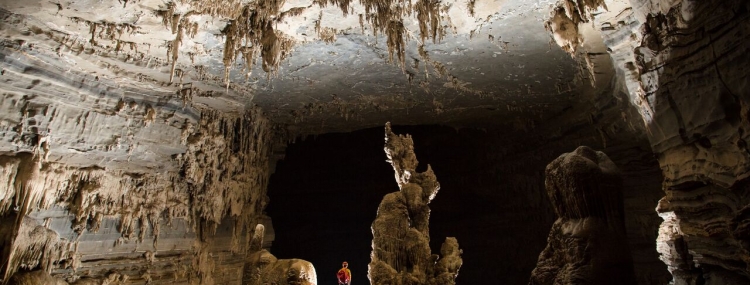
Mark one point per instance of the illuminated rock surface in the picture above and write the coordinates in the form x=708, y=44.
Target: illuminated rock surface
x=401, y=235
x=143, y=132
x=262, y=267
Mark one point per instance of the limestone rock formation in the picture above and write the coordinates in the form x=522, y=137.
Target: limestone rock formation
x=172, y=217
x=140, y=131
x=401, y=240
x=262, y=267
x=32, y=247
x=684, y=65
x=565, y=18
x=37, y=277
x=587, y=244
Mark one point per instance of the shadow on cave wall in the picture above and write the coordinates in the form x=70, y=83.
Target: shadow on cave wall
x=325, y=193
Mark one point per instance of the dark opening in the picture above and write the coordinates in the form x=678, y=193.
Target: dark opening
x=325, y=194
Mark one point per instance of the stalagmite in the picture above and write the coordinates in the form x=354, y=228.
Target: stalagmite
x=587, y=244
x=401, y=239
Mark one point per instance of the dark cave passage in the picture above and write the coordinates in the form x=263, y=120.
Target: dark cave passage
x=324, y=196
x=338, y=180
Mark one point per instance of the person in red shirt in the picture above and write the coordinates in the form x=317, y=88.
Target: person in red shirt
x=344, y=275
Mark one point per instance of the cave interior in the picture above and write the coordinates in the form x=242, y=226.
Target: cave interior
x=242, y=142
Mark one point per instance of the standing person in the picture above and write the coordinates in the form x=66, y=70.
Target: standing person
x=344, y=275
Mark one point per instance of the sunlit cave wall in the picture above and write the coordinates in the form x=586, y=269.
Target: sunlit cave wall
x=99, y=181
x=324, y=196
x=686, y=67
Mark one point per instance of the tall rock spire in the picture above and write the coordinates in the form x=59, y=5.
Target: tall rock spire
x=401, y=239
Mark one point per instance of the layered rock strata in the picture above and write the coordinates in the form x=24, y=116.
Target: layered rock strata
x=587, y=244
x=401, y=240
x=684, y=63
x=138, y=187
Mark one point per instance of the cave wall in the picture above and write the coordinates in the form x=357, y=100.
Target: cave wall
x=685, y=65
x=138, y=184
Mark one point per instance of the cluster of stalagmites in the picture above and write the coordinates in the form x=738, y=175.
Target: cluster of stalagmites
x=400, y=247
x=221, y=178
x=587, y=244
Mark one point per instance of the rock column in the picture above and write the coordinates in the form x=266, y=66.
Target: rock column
x=587, y=244
x=401, y=241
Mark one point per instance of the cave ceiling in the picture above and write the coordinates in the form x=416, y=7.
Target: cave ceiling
x=314, y=66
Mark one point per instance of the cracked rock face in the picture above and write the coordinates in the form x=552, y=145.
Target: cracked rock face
x=401, y=236
x=587, y=244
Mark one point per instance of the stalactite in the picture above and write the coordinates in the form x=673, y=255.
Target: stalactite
x=428, y=16
x=225, y=170
x=252, y=28
x=396, y=42
x=221, y=163
x=31, y=247
x=565, y=18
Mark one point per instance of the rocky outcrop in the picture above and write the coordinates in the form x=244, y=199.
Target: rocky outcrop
x=401, y=240
x=262, y=267
x=587, y=244
x=683, y=63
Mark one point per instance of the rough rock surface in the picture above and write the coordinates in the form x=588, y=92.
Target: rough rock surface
x=37, y=277
x=262, y=267
x=169, y=216
x=588, y=243
x=401, y=239
x=317, y=66
x=114, y=115
x=32, y=246
x=684, y=63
